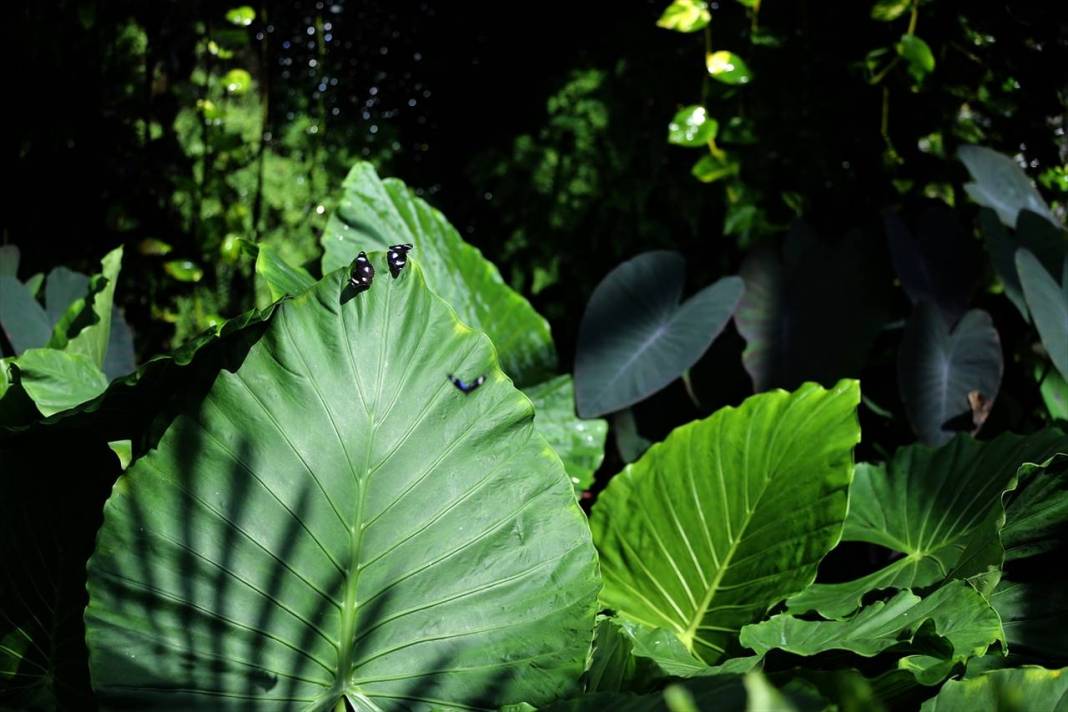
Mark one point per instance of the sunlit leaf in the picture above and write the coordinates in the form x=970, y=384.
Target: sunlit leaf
x=184, y=270
x=889, y=10
x=242, y=16
x=375, y=213
x=92, y=340
x=281, y=277
x=1026, y=689
x=636, y=337
x=917, y=55
x=59, y=380
x=728, y=515
x=685, y=16
x=579, y=442
x=727, y=67
x=692, y=127
x=335, y=523
x=237, y=81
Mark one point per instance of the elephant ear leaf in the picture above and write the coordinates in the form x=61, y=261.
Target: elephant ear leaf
x=335, y=523
x=375, y=213
x=1000, y=184
x=939, y=508
x=728, y=515
x=1048, y=303
x=636, y=338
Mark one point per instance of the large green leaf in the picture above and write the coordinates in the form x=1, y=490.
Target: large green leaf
x=999, y=183
x=1036, y=515
x=941, y=508
x=1026, y=689
x=578, y=442
x=636, y=338
x=24, y=321
x=1035, y=617
x=1048, y=303
x=939, y=369
x=729, y=514
x=57, y=381
x=374, y=214
x=962, y=618
x=336, y=521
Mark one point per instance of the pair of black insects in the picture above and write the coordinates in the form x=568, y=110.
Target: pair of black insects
x=363, y=273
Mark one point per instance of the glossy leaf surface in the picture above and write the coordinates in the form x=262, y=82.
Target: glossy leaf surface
x=336, y=521
x=728, y=515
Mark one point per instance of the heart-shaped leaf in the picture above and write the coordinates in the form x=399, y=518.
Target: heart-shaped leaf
x=728, y=515
x=1000, y=183
x=636, y=338
x=374, y=214
x=685, y=16
x=939, y=369
x=940, y=508
x=1048, y=303
x=335, y=523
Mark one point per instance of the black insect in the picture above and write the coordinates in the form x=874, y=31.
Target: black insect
x=466, y=388
x=397, y=258
x=363, y=273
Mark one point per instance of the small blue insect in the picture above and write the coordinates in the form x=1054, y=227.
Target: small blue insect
x=466, y=388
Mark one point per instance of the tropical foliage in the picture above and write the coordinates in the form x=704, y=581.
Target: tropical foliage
x=391, y=464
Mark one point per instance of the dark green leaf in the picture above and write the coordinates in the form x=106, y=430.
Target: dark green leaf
x=120, y=359
x=1034, y=233
x=1035, y=617
x=9, y=261
x=1048, y=303
x=636, y=338
x=1036, y=515
x=961, y=617
x=1026, y=689
x=940, y=508
x=999, y=183
x=917, y=55
x=939, y=371
x=714, y=166
x=336, y=524
x=728, y=515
